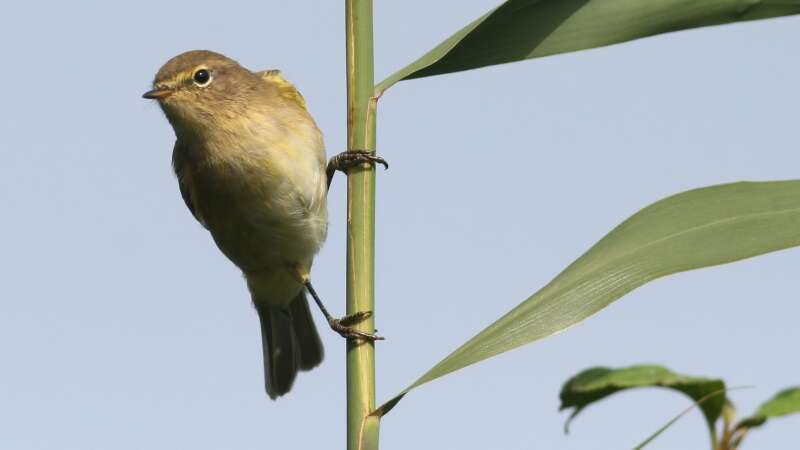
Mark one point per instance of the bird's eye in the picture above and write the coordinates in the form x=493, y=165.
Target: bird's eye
x=202, y=77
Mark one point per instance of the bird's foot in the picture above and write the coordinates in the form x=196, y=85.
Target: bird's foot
x=346, y=160
x=344, y=327
x=352, y=158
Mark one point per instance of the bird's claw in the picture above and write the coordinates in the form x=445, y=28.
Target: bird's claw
x=352, y=158
x=356, y=318
x=344, y=327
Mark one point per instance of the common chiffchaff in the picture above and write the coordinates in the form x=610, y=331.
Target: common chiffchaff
x=251, y=167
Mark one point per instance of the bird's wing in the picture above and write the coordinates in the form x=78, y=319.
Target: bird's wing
x=286, y=89
x=184, y=175
x=314, y=191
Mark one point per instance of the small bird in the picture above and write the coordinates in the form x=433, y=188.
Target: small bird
x=251, y=168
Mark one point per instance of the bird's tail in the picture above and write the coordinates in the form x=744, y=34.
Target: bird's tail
x=290, y=342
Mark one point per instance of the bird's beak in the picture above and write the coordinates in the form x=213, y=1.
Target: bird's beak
x=157, y=94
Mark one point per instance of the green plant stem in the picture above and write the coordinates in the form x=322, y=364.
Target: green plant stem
x=360, y=217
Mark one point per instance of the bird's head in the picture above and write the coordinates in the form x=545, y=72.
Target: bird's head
x=198, y=88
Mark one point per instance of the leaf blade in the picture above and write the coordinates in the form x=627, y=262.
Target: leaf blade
x=524, y=29
x=784, y=403
x=728, y=222
x=597, y=383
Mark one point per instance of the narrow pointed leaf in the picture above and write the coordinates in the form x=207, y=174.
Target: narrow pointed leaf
x=524, y=29
x=782, y=404
x=694, y=229
x=597, y=383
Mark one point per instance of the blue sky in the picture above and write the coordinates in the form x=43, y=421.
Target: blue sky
x=122, y=326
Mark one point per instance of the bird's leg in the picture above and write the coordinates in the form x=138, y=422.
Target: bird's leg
x=345, y=160
x=343, y=326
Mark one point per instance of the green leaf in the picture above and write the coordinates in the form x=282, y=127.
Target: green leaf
x=694, y=229
x=782, y=404
x=524, y=29
x=597, y=383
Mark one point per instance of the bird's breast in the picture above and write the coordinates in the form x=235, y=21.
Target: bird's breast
x=264, y=205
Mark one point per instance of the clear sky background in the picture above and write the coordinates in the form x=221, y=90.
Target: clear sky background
x=123, y=327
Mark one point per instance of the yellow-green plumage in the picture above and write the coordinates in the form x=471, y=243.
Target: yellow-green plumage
x=250, y=163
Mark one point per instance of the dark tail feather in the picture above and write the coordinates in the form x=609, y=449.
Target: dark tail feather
x=290, y=343
x=308, y=341
x=277, y=340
